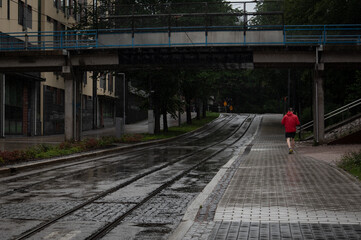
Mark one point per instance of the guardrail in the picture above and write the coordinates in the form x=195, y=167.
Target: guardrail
x=80, y=39
x=322, y=34
x=70, y=39
x=334, y=113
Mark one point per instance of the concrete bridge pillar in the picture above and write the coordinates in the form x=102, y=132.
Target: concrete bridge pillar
x=73, y=105
x=318, y=108
x=69, y=118
x=2, y=105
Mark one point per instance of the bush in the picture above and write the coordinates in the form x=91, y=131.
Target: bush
x=351, y=162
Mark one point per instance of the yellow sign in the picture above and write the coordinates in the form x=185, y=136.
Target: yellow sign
x=231, y=107
x=225, y=103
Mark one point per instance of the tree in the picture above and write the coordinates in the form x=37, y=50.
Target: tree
x=322, y=12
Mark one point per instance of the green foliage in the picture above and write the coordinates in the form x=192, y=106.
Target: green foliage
x=268, y=19
x=354, y=89
x=351, y=162
x=108, y=14
x=322, y=12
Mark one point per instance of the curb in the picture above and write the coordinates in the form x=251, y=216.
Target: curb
x=6, y=171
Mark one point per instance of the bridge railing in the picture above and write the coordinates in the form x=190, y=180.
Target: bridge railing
x=322, y=34
x=50, y=40
x=286, y=35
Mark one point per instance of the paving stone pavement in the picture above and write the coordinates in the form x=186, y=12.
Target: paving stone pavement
x=270, y=194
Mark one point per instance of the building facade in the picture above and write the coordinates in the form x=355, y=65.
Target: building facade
x=33, y=103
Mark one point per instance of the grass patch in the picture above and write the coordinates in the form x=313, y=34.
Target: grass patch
x=351, y=162
x=43, y=151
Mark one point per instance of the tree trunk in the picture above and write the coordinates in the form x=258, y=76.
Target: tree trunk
x=188, y=110
x=204, y=112
x=165, y=122
x=198, y=109
x=156, y=117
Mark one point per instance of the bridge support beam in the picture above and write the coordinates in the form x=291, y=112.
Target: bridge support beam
x=73, y=113
x=318, y=108
x=69, y=108
x=2, y=105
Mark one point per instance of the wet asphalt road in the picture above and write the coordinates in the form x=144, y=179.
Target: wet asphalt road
x=107, y=187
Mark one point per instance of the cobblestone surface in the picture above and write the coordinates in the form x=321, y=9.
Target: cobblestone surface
x=167, y=207
x=39, y=211
x=256, y=230
x=274, y=195
x=99, y=212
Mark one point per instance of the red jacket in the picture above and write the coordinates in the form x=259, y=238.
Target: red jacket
x=290, y=121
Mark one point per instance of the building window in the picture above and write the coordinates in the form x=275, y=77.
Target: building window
x=1, y=3
x=25, y=17
x=8, y=9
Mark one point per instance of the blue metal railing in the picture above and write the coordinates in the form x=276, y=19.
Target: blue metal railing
x=323, y=34
x=78, y=39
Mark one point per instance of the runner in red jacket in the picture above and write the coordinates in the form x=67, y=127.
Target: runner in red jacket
x=290, y=121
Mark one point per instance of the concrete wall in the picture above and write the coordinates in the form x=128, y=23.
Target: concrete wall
x=51, y=18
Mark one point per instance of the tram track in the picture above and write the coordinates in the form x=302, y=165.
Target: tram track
x=102, y=164
x=107, y=228
x=134, y=179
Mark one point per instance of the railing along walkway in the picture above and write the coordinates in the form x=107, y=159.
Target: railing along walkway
x=184, y=36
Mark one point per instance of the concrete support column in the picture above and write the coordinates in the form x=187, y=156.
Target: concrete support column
x=69, y=118
x=318, y=108
x=26, y=116
x=73, y=104
x=95, y=101
x=33, y=107
x=2, y=105
x=79, y=105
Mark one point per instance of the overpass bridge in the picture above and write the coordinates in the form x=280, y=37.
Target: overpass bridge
x=230, y=47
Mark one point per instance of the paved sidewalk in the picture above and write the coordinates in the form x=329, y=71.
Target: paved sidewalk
x=266, y=193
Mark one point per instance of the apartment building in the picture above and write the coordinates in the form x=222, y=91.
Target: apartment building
x=34, y=102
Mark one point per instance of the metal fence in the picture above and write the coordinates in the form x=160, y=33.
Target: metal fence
x=81, y=39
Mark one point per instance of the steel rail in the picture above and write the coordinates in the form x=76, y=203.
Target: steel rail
x=108, y=227
x=113, y=189
x=185, y=136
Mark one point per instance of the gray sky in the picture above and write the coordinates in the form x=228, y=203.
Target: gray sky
x=250, y=6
